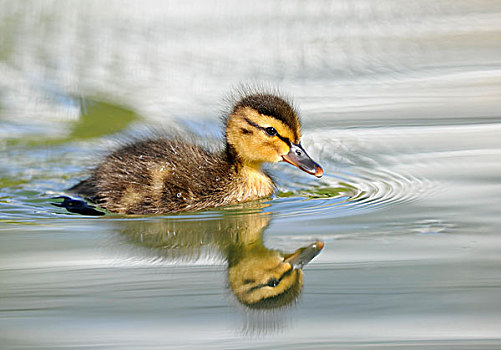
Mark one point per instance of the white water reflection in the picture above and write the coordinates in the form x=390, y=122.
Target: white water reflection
x=400, y=104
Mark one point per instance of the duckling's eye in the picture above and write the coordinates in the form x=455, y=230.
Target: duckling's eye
x=272, y=282
x=271, y=131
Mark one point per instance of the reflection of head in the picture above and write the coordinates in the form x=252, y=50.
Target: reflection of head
x=265, y=282
x=264, y=279
x=259, y=277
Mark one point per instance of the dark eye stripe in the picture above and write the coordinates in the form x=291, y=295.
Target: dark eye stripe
x=286, y=273
x=267, y=284
x=284, y=139
x=250, y=122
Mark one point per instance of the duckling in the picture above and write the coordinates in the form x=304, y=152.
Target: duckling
x=259, y=277
x=167, y=175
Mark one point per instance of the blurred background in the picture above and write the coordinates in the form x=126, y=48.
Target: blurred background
x=401, y=106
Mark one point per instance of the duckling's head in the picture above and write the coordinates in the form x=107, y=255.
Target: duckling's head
x=266, y=128
x=269, y=279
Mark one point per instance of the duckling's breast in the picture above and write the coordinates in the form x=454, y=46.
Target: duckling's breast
x=253, y=184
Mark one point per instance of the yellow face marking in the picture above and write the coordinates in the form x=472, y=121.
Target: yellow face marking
x=267, y=121
x=251, y=143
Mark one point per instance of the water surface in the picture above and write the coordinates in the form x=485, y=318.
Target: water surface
x=400, y=104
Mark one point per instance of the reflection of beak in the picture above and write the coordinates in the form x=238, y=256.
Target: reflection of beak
x=297, y=156
x=302, y=256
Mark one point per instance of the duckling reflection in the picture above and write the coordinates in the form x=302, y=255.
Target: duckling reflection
x=262, y=278
x=259, y=277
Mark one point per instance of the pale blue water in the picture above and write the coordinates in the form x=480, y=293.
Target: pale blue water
x=401, y=105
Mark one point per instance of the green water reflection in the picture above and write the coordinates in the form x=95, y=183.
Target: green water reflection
x=96, y=119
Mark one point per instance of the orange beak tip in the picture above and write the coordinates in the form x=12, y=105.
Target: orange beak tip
x=319, y=172
x=320, y=245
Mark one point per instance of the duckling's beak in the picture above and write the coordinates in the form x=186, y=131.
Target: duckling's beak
x=304, y=255
x=297, y=156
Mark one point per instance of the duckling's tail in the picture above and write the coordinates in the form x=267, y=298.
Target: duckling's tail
x=85, y=188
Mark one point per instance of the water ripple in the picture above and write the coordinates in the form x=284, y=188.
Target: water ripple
x=352, y=191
